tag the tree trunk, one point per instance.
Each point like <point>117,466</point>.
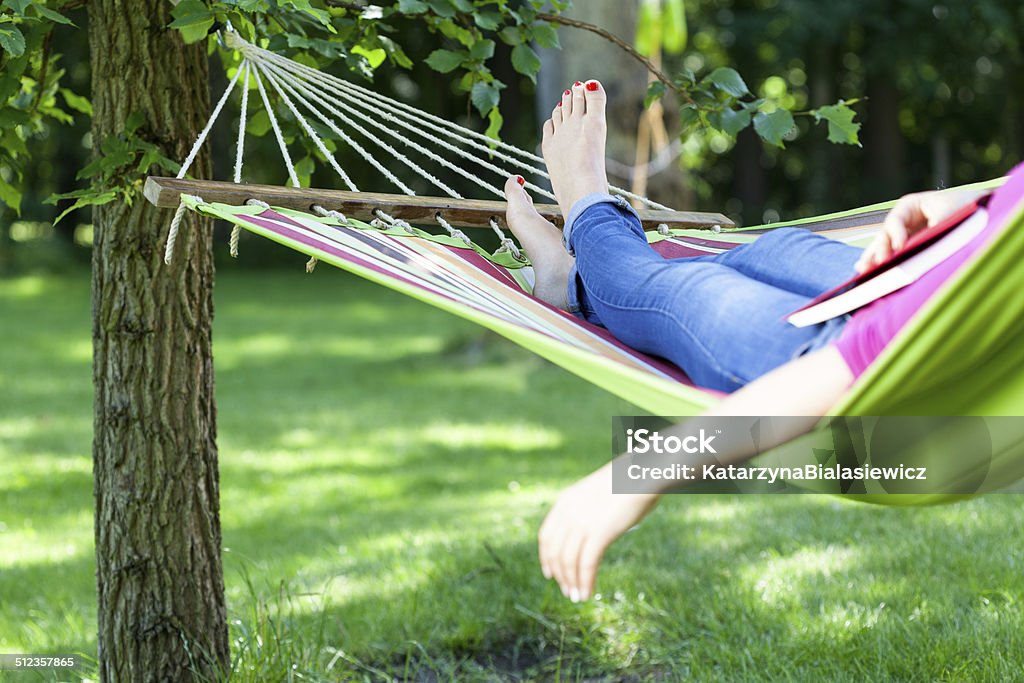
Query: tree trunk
<point>884,144</point>
<point>158,538</point>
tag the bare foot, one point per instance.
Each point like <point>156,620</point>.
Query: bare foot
<point>574,144</point>
<point>543,244</point>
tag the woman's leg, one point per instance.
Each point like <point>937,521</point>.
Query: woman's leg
<point>720,326</point>
<point>794,259</point>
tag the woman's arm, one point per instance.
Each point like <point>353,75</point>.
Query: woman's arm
<point>587,517</point>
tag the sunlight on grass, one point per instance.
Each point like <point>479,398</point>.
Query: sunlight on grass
<point>384,469</point>
<point>508,436</point>
<point>777,579</point>
<point>26,287</point>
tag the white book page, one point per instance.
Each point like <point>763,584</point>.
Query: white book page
<point>896,277</point>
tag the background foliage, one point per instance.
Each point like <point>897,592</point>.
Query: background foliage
<point>936,86</point>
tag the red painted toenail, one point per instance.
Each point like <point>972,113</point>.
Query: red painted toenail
<point>567,92</point>
<point>592,86</point>
<point>521,180</point>
<point>559,104</point>
<point>577,83</point>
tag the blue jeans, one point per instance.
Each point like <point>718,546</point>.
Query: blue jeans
<point>721,318</point>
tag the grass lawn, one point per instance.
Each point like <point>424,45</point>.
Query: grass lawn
<point>384,471</point>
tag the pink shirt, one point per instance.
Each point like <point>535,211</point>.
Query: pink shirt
<point>874,326</point>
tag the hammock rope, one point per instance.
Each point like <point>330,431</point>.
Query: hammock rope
<point>417,128</point>
<point>933,360</point>
<point>277,134</point>
<point>416,121</point>
<point>328,156</point>
<point>172,234</point>
<point>342,106</point>
<point>336,108</point>
<point>506,244</point>
<point>236,231</point>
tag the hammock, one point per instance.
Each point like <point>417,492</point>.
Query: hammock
<point>960,355</point>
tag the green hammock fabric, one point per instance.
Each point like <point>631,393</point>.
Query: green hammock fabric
<point>961,355</point>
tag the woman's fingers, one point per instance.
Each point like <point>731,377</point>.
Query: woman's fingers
<point>544,546</point>
<point>877,251</point>
<point>568,553</point>
<point>554,535</point>
<point>903,220</point>
<point>587,562</point>
<point>906,218</point>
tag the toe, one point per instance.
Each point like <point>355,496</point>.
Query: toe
<point>595,96</point>
<point>567,102</point>
<point>549,129</point>
<point>515,191</point>
<point>579,104</point>
<point>556,116</point>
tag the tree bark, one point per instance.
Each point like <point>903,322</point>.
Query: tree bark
<point>158,540</point>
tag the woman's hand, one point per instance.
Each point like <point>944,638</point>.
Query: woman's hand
<point>585,519</point>
<point>912,213</point>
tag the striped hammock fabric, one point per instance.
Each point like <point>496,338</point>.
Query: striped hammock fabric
<point>938,365</point>
<point>493,290</point>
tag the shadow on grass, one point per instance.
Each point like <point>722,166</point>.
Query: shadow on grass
<point>778,588</point>
<point>384,470</point>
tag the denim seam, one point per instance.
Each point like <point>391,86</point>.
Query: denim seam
<point>703,349</point>
<point>588,202</point>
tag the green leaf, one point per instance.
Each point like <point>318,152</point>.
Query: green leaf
<point>732,121</point>
<point>482,50</point>
<point>546,36</point>
<point>47,13</point>
<point>688,117</point>
<point>496,121</point>
<point>727,80</point>
<point>133,122</point>
<point>485,96</point>
<point>258,124</point>
<point>374,57</point>
<point>654,91</point>
<point>11,41</point>
<point>412,6</point>
<point>77,102</point>
<point>442,8</point>
<point>445,61</point>
<point>510,35</point>
<point>458,32</point>
<point>10,196</point>
<point>91,199</point>
<point>18,6</point>
<point>842,128</point>
<point>773,127</point>
<point>526,61</point>
<point>304,169</point>
<point>396,52</point>
<point>488,21</point>
<point>193,19</point>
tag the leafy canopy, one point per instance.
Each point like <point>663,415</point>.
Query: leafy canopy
<point>327,33</point>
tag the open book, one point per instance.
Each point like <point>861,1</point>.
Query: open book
<point>922,252</point>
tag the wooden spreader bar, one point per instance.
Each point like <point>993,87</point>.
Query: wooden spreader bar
<point>463,213</point>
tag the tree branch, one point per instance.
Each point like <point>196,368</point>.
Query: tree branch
<point>354,6</point>
<point>44,65</point>
<point>629,49</point>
